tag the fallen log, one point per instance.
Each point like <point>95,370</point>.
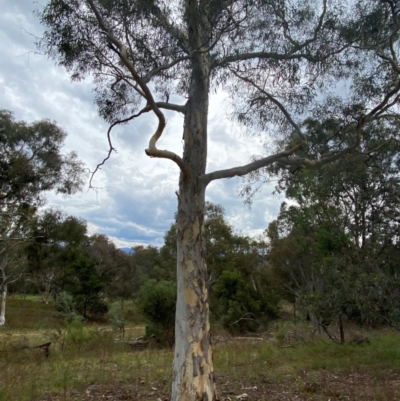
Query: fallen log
<point>136,343</point>
<point>45,347</point>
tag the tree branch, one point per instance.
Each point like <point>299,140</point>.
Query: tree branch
<point>175,32</point>
<point>111,147</point>
<point>152,150</point>
<point>151,74</point>
<point>291,55</point>
<point>262,55</point>
<point>384,105</point>
<point>243,170</point>
<point>285,158</point>
<point>276,102</point>
<point>171,106</point>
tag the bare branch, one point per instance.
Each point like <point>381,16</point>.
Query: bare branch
<point>248,168</point>
<point>170,106</point>
<point>111,147</point>
<point>161,105</point>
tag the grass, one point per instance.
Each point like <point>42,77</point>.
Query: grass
<point>79,356</point>
<point>383,352</point>
<point>24,313</point>
<point>85,358</point>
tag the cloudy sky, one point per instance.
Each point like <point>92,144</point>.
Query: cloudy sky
<point>135,200</point>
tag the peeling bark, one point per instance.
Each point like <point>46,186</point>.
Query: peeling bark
<point>193,366</point>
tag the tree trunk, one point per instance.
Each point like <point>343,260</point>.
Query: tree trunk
<point>193,366</point>
<point>315,322</point>
<point>341,329</point>
<point>3,305</point>
<point>45,295</point>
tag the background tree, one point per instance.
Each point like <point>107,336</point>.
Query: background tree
<point>86,284</point>
<point>31,163</point>
<point>277,60</point>
<point>115,263</point>
<point>239,305</point>
<point>336,242</point>
<point>145,261</point>
<point>59,241</point>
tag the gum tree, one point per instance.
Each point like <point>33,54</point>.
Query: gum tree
<point>31,163</point>
<point>277,59</point>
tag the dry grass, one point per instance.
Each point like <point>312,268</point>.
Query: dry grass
<point>24,313</point>
<point>86,364</point>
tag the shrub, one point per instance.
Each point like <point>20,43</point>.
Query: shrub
<point>157,302</point>
<point>240,307</point>
<point>64,304</point>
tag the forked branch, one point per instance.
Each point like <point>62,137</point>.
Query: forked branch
<point>286,158</point>
<point>152,150</point>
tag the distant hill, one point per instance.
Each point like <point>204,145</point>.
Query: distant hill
<point>129,251</point>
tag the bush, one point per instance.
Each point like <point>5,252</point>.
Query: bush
<point>157,302</point>
<point>240,307</point>
<point>64,304</point>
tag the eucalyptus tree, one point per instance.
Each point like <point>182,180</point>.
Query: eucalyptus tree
<point>57,241</point>
<point>31,163</point>
<point>342,230</point>
<point>14,231</point>
<point>277,59</point>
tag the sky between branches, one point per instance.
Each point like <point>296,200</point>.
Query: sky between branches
<point>135,201</point>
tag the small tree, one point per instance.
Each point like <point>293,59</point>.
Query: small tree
<point>86,284</point>
<point>157,302</point>
<point>277,60</point>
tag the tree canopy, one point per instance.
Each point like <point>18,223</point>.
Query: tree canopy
<point>31,161</point>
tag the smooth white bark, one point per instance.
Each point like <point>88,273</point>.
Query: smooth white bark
<point>3,305</point>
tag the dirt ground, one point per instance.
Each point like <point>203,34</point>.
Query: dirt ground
<point>359,385</point>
